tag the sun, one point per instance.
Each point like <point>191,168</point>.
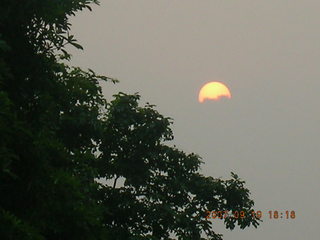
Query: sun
<point>213,91</point>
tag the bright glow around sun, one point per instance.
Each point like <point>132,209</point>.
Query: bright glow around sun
<point>213,91</point>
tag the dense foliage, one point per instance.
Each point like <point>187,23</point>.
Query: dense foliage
<point>62,144</point>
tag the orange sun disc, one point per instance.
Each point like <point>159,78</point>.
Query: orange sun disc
<point>213,91</point>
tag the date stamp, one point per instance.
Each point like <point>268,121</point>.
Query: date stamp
<point>272,214</point>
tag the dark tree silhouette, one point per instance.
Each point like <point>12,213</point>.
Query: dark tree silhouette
<point>59,136</point>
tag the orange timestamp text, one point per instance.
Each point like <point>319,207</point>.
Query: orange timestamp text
<point>272,214</point>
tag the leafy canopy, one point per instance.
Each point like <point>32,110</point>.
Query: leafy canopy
<point>60,139</point>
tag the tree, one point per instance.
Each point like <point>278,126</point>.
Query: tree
<point>48,122</point>
<point>59,135</point>
<point>163,192</point>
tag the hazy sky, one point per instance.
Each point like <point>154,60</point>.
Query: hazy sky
<point>267,52</point>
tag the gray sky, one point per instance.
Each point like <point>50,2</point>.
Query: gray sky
<point>267,52</point>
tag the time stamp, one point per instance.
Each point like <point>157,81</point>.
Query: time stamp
<point>275,214</point>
